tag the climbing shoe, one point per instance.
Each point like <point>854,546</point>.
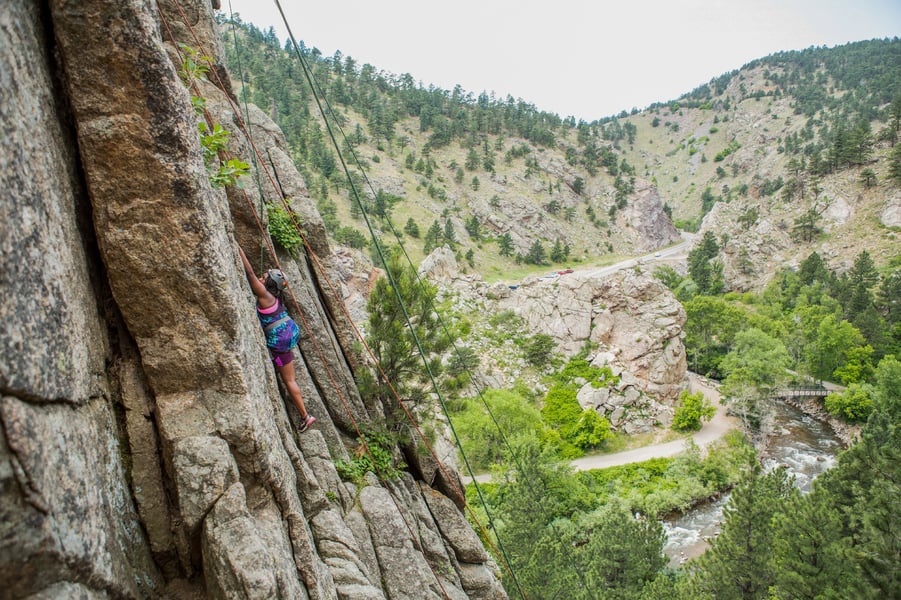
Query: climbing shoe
<point>307,422</point>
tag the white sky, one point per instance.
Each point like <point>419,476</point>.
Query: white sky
<point>586,58</point>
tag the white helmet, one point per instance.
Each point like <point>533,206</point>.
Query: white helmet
<point>278,277</point>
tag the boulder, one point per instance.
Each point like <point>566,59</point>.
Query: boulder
<point>891,214</point>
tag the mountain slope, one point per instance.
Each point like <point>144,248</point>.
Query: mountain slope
<point>785,136</point>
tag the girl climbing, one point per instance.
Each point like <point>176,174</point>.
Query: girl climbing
<point>281,331</point>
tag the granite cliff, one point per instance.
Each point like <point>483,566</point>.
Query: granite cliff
<point>145,449</point>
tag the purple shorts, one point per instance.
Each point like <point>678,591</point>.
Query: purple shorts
<point>281,358</point>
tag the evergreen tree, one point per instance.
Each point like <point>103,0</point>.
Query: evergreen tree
<point>537,254</point>
<point>864,487</point>
<point>737,565</point>
<point>868,178</point>
<point>807,225</point>
<point>894,164</point>
<point>808,549</point>
<point>707,274</point>
<point>863,272</point>
<point>411,228</point>
<point>889,297</point>
<point>813,269</point>
<point>558,544</point>
<point>472,160</point>
<point>432,237</point>
<point>450,235</point>
<point>470,257</point>
<point>473,228</point>
<point>895,120</point>
<point>557,254</point>
<point>505,244</point>
<point>394,345</point>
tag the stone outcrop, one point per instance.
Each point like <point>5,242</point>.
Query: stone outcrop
<point>636,325</point>
<point>145,449</point>
<point>891,213</point>
<point>644,215</point>
<point>634,322</point>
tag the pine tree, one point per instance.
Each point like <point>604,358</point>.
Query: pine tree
<point>894,165</point>
<point>537,253</point>
<point>706,273</point>
<point>432,237</point>
<point>557,254</point>
<point>737,565</point>
<point>411,228</point>
<point>450,235</point>
<point>808,550</point>
<point>505,244</point>
<point>394,346</point>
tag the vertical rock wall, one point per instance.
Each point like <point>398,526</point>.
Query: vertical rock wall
<point>145,450</point>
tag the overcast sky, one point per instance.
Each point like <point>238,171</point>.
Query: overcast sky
<point>586,58</point>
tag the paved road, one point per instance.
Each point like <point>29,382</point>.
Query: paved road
<point>676,253</point>
<point>679,251</point>
<point>709,433</point>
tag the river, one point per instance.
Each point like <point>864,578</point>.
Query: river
<point>805,446</point>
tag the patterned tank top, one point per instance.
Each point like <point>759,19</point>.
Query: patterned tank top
<point>281,331</point>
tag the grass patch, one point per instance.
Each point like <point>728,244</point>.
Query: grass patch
<point>664,485</point>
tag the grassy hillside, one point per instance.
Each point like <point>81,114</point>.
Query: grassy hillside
<point>751,154</point>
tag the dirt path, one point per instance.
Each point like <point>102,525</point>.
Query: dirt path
<point>709,433</point>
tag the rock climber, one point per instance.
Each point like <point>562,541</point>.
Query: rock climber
<point>282,333</point>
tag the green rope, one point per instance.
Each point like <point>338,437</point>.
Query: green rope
<point>391,279</point>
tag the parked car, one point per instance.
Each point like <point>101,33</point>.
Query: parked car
<point>564,272</point>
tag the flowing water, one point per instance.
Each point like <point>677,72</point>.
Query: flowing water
<point>804,446</point>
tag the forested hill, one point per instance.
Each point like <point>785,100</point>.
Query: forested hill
<point>798,145</point>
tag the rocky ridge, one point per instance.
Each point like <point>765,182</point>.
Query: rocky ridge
<point>145,448</point>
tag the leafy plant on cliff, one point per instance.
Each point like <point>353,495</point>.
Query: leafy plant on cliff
<point>282,226</point>
<point>213,138</point>
<point>372,455</point>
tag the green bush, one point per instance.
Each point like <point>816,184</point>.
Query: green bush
<point>351,237</point>
<point>854,404</point>
<point>580,368</point>
<point>483,436</point>
<point>377,460</point>
<point>538,349</point>
<point>692,409</point>
<point>582,428</point>
<point>282,229</point>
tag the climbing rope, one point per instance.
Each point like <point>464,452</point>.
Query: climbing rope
<point>318,263</point>
<point>402,305</point>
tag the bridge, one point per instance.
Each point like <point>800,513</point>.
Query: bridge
<point>802,391</point>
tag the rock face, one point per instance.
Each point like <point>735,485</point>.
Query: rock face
<point>637,325</point>
<point>634,322</point>
<point>891,214</point>
<point>145,449</point>
<point>645,216</point>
